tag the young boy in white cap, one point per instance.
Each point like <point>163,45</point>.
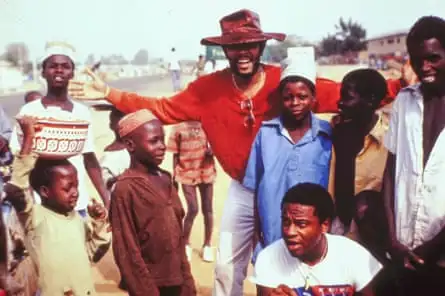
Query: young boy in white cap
<point>290,149</point>
<point>58,69</point>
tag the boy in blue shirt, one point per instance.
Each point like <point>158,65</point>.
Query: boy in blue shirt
<point>290,149</point>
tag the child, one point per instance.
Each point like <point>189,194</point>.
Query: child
<point>58,69</point>
<point>60,242</point>
<point>116,158</point>
<point>288,150</point>
<point>194,168</point>
<point>32,96</point>
<point>146,215</point>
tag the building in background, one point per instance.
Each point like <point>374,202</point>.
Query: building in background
<point>390,44</point>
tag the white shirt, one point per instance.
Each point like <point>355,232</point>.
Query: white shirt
<point>114,163</point>
<point>347,268</point>
<point>419,192</point>
<point>79,112</point>
<point>174,62</point>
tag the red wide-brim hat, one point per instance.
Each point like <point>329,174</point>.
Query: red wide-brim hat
<point>241,27</point>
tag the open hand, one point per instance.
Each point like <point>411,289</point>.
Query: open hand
<point>402,255</point>
<point>96,210</point>
<point>28,124</point>
<point>96,89</point>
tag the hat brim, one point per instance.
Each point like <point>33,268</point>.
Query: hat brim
<point>242,39</point>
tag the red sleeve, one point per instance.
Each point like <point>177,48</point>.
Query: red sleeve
<point>184,106</point>
<point>328,94</point>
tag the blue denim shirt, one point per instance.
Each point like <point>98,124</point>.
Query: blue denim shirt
<point>276,164</point>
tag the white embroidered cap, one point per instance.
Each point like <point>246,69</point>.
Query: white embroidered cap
<point>59,48</point>
<point>300,61</point>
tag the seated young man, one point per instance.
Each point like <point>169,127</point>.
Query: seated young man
<point>308,260</point>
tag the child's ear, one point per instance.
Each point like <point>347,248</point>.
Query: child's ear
<point>44,192</point>
<point>129,144</point>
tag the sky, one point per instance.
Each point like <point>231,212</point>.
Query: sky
<point>104,27</point>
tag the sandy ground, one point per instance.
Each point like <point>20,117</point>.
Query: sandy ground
<point>105,272</point>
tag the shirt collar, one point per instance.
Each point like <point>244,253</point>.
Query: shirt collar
<point>317,126</point>
<point>379,130</point>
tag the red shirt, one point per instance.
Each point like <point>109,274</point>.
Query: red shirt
<point>215,102</point>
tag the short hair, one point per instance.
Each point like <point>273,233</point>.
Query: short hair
<point>294,79</point>
<point>368,83</point>
<point>311,195</point>
<point>425,28</point>
<point>43,172</point>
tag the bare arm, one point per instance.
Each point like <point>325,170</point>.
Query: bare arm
<point>94,171</point>
<point>388,194</point>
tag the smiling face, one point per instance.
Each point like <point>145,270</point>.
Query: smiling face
<point>297,99</point>
<point>58,70</point>
<point>302,230</point>
<point>147,143</point>
<point>244,59</point>
<point>428,62</point>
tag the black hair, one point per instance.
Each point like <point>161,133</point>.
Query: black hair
<point>43,172</point>
<point>311,195</point>
<point>293,79</point>
<point>425,28</point>
<point>116,113</point>
<point>368,83</point>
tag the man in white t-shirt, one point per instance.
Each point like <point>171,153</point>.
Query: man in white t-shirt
<point>175,70</point>
<point>58,69</point>
<point>309,261</point>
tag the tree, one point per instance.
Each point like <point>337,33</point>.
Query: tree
<point>17,53</point>
<point>140,58</point>
<point>350,36</point>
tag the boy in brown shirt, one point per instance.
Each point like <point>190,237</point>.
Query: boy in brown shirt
<point>146,215</point>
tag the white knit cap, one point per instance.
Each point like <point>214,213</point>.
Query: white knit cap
<point>300,62</point>
<point>59,48</point>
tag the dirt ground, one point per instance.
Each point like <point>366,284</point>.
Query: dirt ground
<point>105,272</point>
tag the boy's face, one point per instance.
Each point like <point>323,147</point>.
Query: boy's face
<point>301,228</point>
<point>147,143</point>
<point>428,62</point>
<point>58,71</point>
<point>62,194</point>
<point>297,100</point>
<point>351,105</point>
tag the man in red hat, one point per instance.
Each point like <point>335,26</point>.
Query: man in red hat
<point>231,104</point>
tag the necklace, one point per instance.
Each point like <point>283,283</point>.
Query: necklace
<point>307,274</point>
<point>249,93</point>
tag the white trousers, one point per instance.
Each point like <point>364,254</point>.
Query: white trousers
<point>235,241</point>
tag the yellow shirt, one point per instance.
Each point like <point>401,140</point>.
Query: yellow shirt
<point>370,162</point>
<point>62,246</point>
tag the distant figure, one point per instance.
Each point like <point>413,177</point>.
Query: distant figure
<point>32,96</point>
<point>200,66</point>
<point>175,70</point>
<point>210,66</point>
